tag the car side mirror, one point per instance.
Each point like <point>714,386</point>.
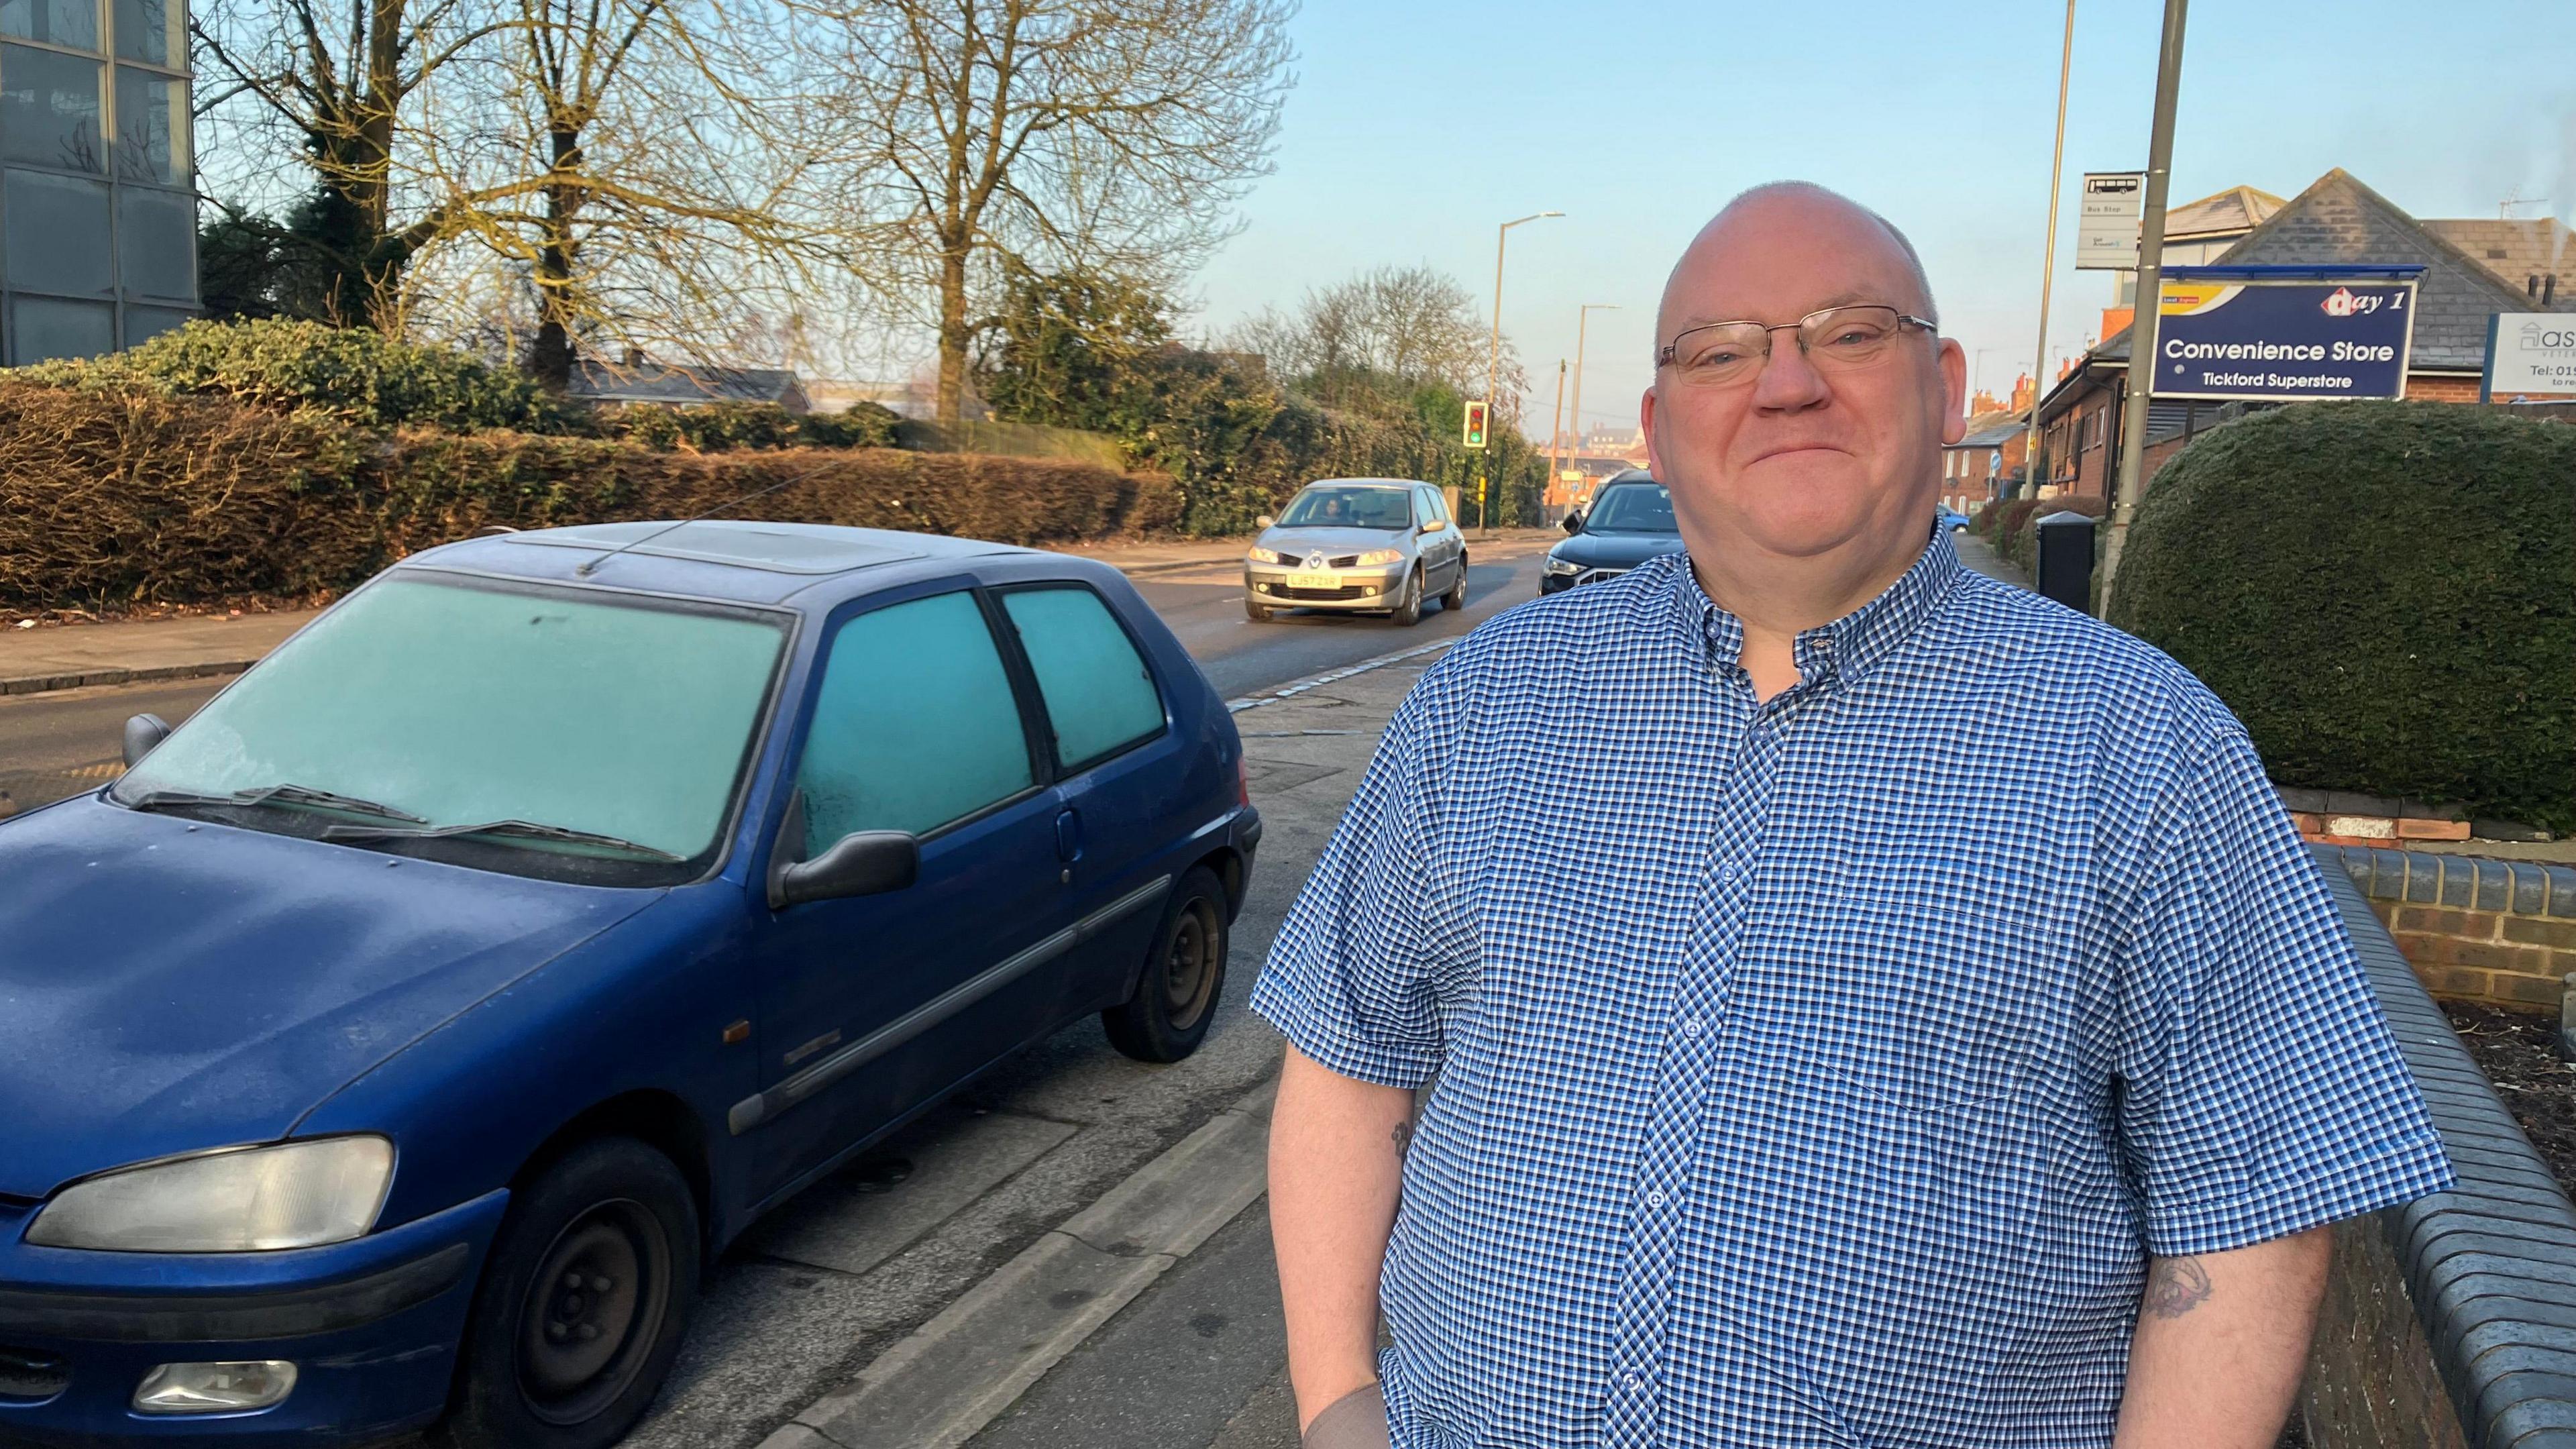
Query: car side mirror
<point>863,863</point>
<point>1265,521</point>
<point>1433,525</point>
<point>143,734</point>
<point>1574,523</point>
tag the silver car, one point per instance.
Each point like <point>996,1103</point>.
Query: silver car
<point>1359,546</point>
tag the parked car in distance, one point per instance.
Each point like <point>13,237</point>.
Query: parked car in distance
<point>398,1038</point>
<point>1952,518</point>
<point>1630,521</point>
<point>1358,546</point>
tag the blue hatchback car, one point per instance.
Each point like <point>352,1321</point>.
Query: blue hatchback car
<point>401,1036</point>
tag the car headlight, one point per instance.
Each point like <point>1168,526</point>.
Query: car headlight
<point>258,1199</point>
<point>1557,565</point>
<point>1377,556</point>
<point>1266,555</point>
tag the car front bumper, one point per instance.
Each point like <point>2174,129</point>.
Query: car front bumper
<point>1357,591</point>
<point>1552,582</point>
<point>370,1325</point>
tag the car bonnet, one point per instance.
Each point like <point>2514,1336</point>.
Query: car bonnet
<point>169,985</point>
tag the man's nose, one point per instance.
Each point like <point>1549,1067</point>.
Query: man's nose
<point>1788,382</point>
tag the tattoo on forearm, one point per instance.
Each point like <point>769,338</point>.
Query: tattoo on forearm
<point>1403,1136</point>
<point>2175,1286</point>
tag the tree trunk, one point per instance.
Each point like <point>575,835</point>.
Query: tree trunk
<point>550,355</point>
<point>952,332</point>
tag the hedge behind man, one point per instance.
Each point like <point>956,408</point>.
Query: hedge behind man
<point>1869,1003</point>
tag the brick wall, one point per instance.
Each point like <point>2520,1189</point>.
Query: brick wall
<point>2493,931</point>
<point>2371,1378</point>
<point>2425,387</point>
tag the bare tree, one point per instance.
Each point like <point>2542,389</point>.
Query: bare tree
<point>622,171</point>
<point>329,82</point>
<point>1400,326</point>
<point>1113,135</point>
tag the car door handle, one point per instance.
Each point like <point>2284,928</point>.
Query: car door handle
<point>1068,836</point>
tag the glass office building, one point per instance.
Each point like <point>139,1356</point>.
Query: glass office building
<point>98,222</point>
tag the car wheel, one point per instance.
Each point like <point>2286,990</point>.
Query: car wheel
<point>1176,996</point>
<point>1256,612</point>
<point>1408,612</point>
<point>582,1305</point>
<point>1456,598</point>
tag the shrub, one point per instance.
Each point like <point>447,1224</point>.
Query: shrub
<point>351,373</point>
<point>2384,592</point>
<point>2021,543</point>
<point>728,426</point>
<point>117,497</point>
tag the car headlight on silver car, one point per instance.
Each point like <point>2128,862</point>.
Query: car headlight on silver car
<point>1376,556</point>
<point>1258,554</point>
<point>1557,565</point>
<point>244,1200</point>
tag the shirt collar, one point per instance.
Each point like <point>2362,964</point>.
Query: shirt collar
<point>1849,647</point>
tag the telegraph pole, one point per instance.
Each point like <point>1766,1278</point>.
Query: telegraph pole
<point>2138,383</point>
<point>1583,321</point>
<point>1556,432</point>
<point>2048,260</point>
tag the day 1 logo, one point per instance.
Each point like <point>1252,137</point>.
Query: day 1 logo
<point>2340,302</point>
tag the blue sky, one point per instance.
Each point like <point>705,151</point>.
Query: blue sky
<point>1418,125</point>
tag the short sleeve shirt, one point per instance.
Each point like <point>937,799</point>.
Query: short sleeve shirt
<point>1824,1070</point>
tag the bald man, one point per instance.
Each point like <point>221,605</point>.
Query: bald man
<point>1905,1016</point>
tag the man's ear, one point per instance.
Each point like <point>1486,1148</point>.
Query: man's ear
<point>1954,391</point>
<point>1646,425</point>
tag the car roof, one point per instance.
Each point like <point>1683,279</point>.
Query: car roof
<point>1365,483</point>
<point>1628,475</point>
<point>739,560</point>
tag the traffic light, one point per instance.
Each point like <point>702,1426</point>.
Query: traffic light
<point>1475,436</point>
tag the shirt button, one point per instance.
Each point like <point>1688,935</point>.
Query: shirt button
<point>1654,1199</point>
<point>1726,873</point>
<point>1635,1383</point>
<point>1691,1027</point>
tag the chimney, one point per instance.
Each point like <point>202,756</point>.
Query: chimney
<point>634,356</point>
<point>2549,290</point>
<point>2531,286</point>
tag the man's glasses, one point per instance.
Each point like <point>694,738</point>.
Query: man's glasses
<point>1837,339</point>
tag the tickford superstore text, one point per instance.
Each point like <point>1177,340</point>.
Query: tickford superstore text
<point>2269,379</point>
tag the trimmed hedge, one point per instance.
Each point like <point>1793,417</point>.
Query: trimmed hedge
<point>113,497</point>
<point>2385,593</point>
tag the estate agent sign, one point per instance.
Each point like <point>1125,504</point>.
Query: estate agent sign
<point>2531,357</point>
<point>2284,334</point>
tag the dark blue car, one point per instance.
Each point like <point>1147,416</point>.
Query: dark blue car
<point>401,1036</point>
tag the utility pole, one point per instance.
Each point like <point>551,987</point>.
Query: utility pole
<point>1556,431</point>
<point>1582,321</point>
<point>2138,383</point>
<point>2048,260</point>
<point>1493,365</point>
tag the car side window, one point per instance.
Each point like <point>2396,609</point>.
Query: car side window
<point>1099,694</point>
<point>1437,506</point>
<point>915,725</point>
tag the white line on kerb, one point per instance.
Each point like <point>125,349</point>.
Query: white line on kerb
<point>1256,701</point>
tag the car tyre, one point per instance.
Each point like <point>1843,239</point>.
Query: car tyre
<point>1408,611</point>
<point>1256,612</point>
<point>1176,994</point>
<point>554,1363</point>
<point>1456,598</point>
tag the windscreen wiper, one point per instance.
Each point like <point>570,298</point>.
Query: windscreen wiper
<point>500,830</point>
<point>295,795</point>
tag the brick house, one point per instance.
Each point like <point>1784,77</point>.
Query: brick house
<point>1972,466</point>
<point>2335,222</point>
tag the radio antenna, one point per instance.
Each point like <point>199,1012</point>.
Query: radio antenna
<point>592,566</point>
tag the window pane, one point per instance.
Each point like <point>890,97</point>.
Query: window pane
<point>56,22</point>
<point>48,327</point>
<point>466,705</point>
<point>155,234</point>
<point>49,109</point>
<point>151,126</point>
<point>915,725</point>
<point>1099,694</point>
<point>142,324</point>
<point>152,30</point>
<point>57,233</point>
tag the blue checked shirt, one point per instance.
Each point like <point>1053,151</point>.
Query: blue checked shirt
<point>1822,1071</point>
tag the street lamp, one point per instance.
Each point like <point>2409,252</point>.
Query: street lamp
<point>2048,262</point>
<point>1582,319</point>
<point>1493,365</point>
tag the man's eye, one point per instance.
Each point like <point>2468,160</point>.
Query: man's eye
<point>1719,357</point>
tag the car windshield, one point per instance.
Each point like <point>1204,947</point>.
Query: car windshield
<point>1325,506</point>
<point>608,733</point>
<point>1633,508</point>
